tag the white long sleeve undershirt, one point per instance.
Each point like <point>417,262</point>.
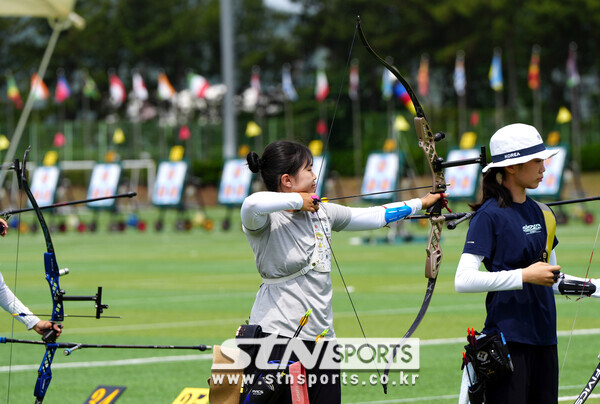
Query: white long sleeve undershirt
<point>12,304</point>
<point>256,208</point>
<point>469,279</point>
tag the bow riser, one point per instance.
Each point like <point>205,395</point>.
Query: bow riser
<point>52,276</point>
<point>434,248</point>
<point>427,142</point>
<point>44,375</point>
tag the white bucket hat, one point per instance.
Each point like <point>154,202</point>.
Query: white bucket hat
<point>516,144</point>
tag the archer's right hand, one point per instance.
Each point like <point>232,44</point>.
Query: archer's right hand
<point>310,202</point>
<point>3,227</point>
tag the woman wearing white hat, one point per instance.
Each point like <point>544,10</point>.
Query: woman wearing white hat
<point>514,238</point>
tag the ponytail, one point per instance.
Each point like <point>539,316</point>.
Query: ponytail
<point>280,157</point>
<point>492,188</point>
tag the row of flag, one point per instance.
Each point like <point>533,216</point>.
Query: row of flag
<point>533,73</point>
<point>197,84</point>
<point>390,86</point>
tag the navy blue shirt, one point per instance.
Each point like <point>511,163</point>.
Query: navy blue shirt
<point>511,238</point>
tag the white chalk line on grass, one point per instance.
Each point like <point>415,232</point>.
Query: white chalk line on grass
<point>408,310</point>
<point>446,397</point>
<point>237,321</point>
<point>119,362</point>
<point>190,297</point>
<point>408,400</point>
<point>183,358</point>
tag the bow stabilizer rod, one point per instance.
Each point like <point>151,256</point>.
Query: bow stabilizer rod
<point>8,213</point>
<point>69,347</point>
<point>462,216</point>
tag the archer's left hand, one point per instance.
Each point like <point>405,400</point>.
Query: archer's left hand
<point>430,199</point>
<point>42,327</point>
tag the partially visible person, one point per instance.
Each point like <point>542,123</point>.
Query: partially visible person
<point>12,304</point>
<point>513,236</point>
<point>289,231</point>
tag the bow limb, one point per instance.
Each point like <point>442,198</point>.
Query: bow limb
<point>434,251</point>
<point>52,276</point>
<point>51,266</point>
<point>590,385</point>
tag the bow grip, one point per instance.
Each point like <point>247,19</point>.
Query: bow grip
<point>50,335</point>
<point>434,249</point>
<point>436,208</point>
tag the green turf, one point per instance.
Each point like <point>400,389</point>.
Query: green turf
<point>197,287</point>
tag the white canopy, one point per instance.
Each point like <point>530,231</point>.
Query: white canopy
<point>36,8</point>
<point>60,16</point>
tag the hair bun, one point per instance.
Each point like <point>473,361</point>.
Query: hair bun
<point>254,162</point>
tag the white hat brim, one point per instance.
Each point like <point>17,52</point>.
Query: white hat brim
<point>543,155</point>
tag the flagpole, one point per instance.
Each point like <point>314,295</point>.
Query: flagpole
<point>533,78</point>
<point>86,125</point>
<point>356,130</point>
<point>575,132</point>
<point>9,117</point>
<point>226,27</point>
<point>289,95</point>
<point>537,109</point>
<point>462,115</point>
<point>498,93</point>
<point>289,120</point>
<point>460,89</point>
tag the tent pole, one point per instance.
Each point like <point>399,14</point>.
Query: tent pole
<point>16,137</point>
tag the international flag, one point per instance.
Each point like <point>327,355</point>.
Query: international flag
<point>139,87</point>
<point>62,91</point>
<point>59,140</point>
<point>533,74</point>
<point>184,133</point>
<point>255,80</point>
<point>286,84</point>
<point>460,78</point>
<point>573,78</point>
<point>495,74</point>
<point>387,86</point>
<point>353,81</point>
<point>12,92</point>
<point>322,86</point>
<point>4,142</point>
<point>117,90</point>
<point>38,88</point>
<point>401,94</point>
<point>90,90</point>
<point>198,85</point>
<point>423,76</point>
<point>165,89</point>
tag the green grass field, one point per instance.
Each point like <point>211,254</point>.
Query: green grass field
<point>197,287</point>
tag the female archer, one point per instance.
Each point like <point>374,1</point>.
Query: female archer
<point>289,232</point>
<point>513,236</point>
<point>10,303</point>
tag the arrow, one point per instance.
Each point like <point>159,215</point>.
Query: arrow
<point>302,322</point>
<point>462,216</point>
<point>326,199</point>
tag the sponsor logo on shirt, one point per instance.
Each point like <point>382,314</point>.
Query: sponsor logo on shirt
<point>532,228</point>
